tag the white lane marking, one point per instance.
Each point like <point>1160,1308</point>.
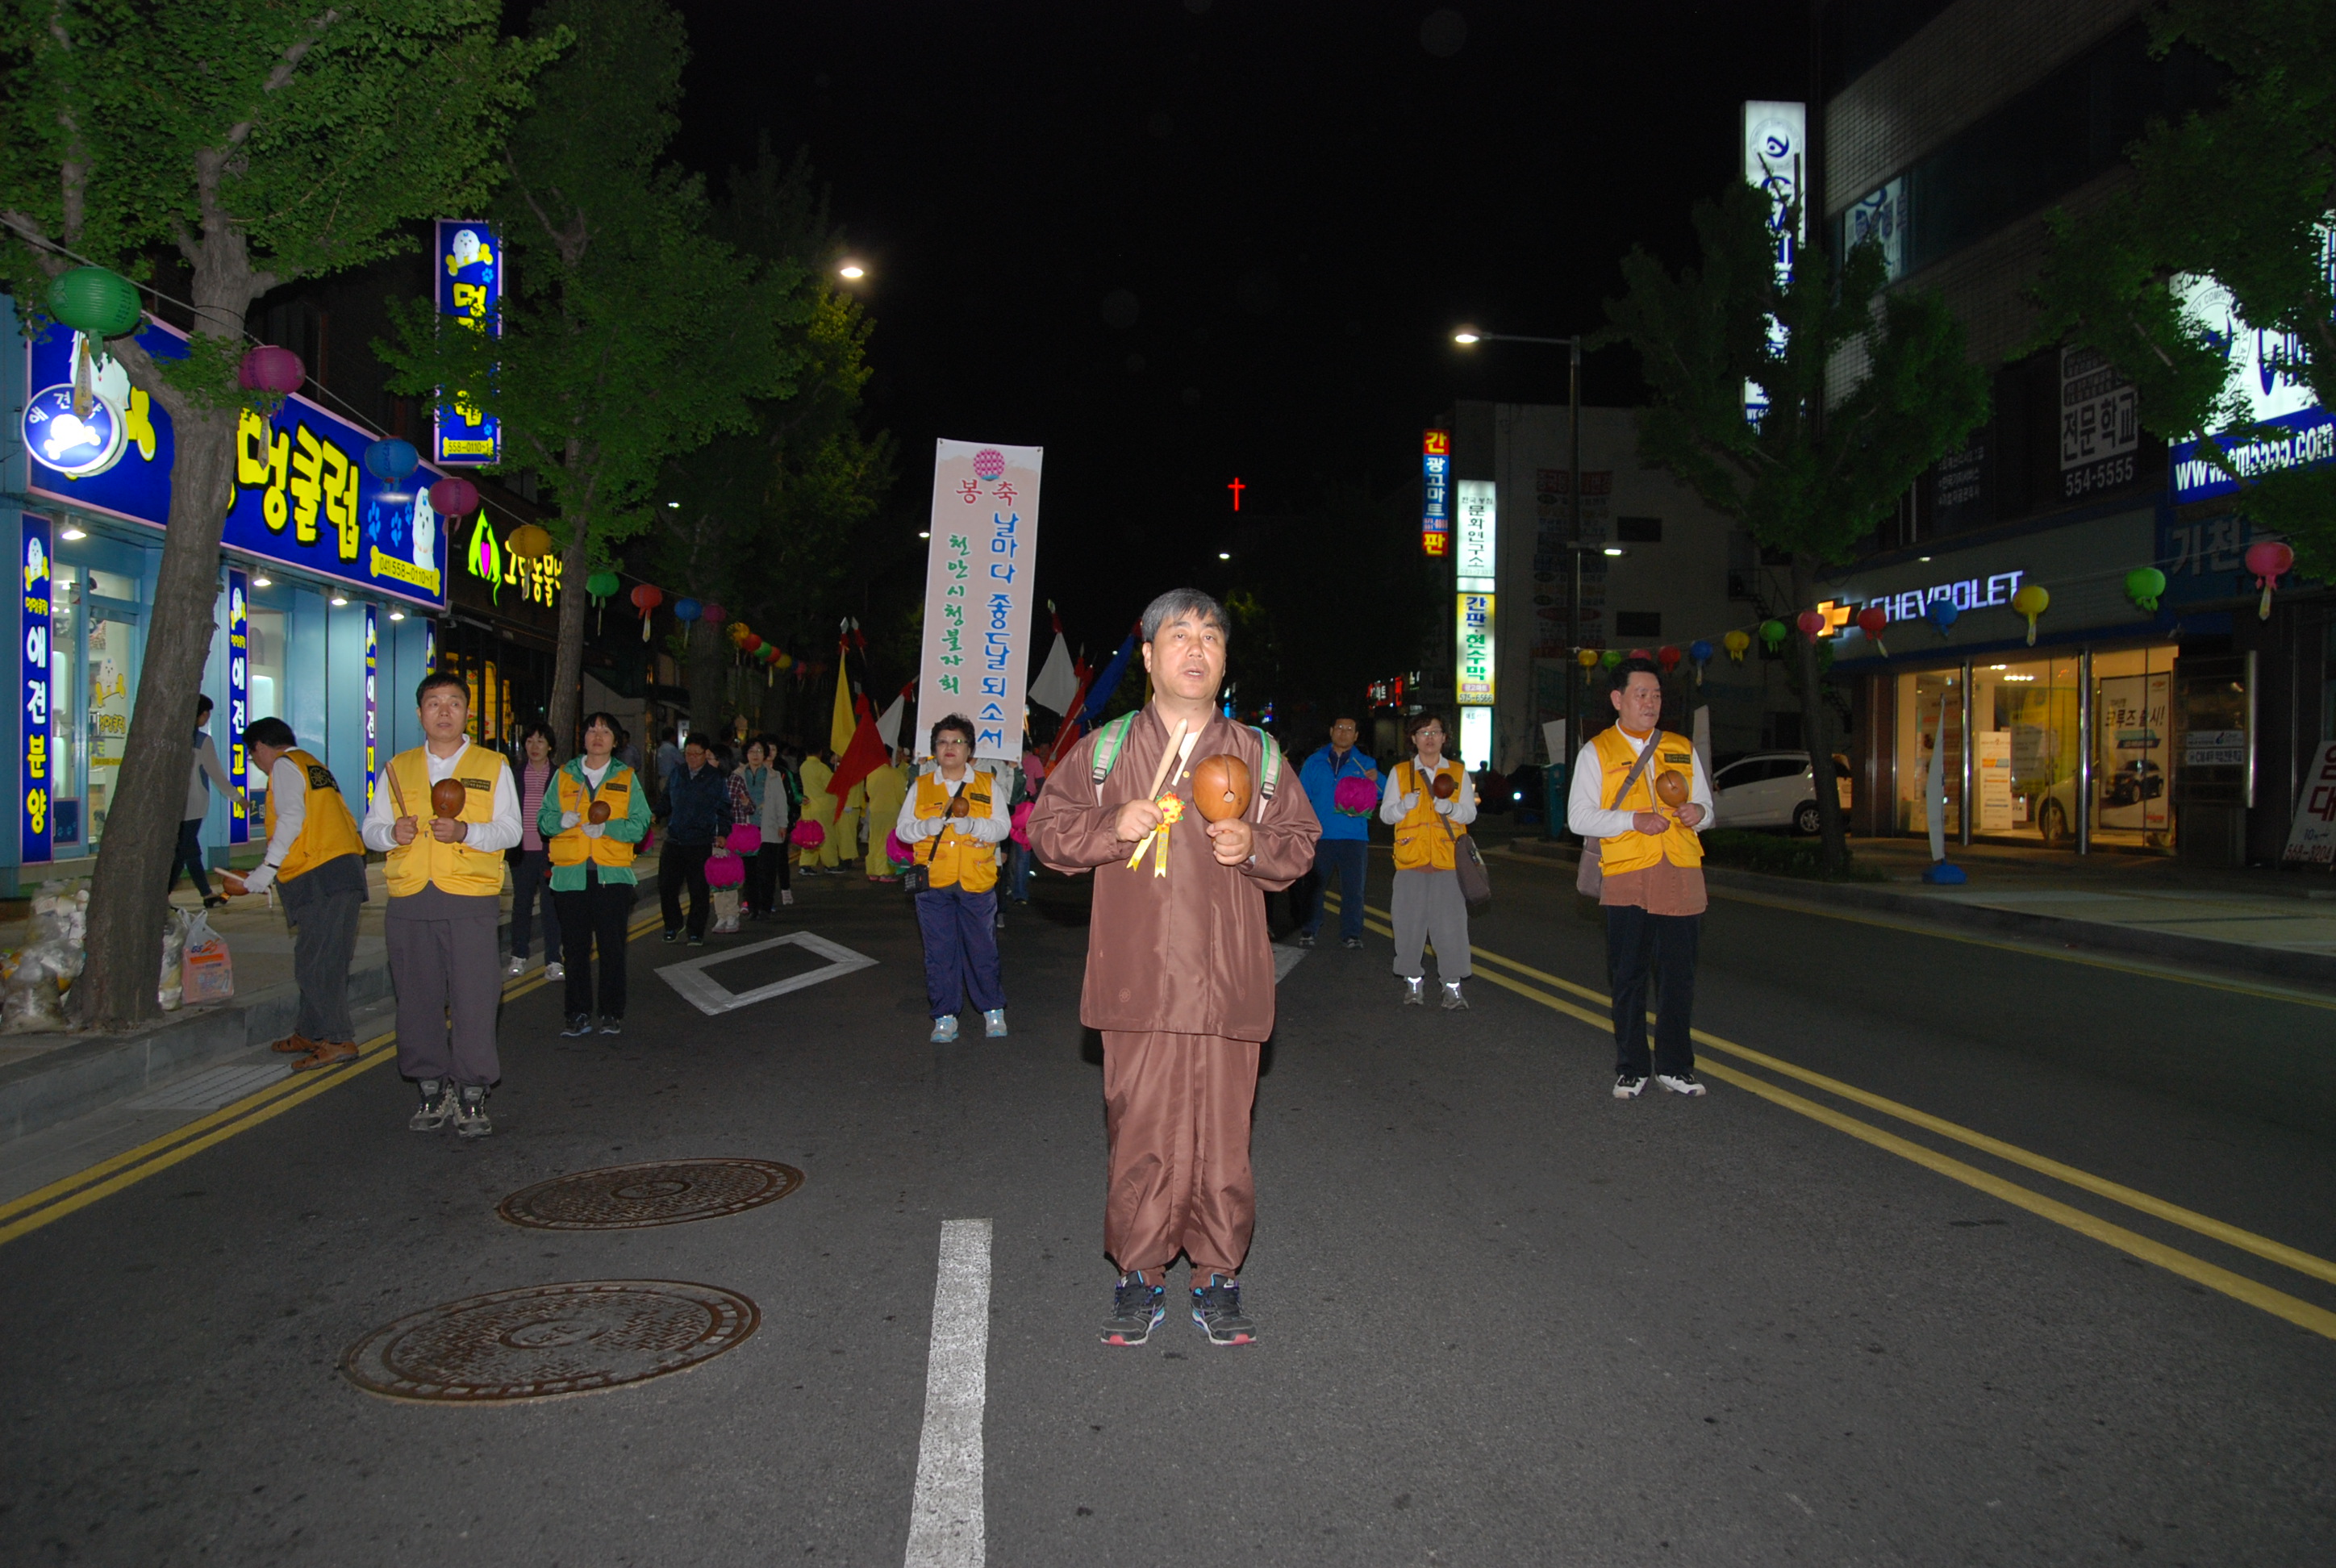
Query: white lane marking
<point>1284,961</point>
<point>712,998</point>
<point>944,1522</point>
<point>207,1091</point>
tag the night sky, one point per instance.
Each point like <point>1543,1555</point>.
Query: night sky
<point>1174,241</point>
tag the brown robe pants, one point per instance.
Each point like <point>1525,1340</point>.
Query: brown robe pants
<point>1176,1108</point>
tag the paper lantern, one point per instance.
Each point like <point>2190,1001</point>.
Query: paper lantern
<point>1736,643</point>
<point>1873,621</point>
<point>1586,658</point>
<point>646,598</point>
<point>602,585</point>
<point>2031,602</point>
<point>745,839</point>
<point>724,871</point>
<point>738,634</point>
<point>453,496</point>
<point>1668,657</point>
<point>1772,635</point>
<point>752,644</point>
<point>776,659</point>
<point>270,369</point>
<point>529,542</point>
<point>1941,614</point>
<point>900,854</point>
<point>2142,586</point>
<point>1812,623</point>
<point>713,614</point>
<point>1353,797</point>
<point>95,301</point>
<point>391,460</point>
<point>1698,653</point>
<point>687,609</point>
<point>1612,658</point>
<point>807,834</point>
<point>2269,559</point>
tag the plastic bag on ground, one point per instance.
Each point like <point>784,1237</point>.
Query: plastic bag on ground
<point>174,953</point>
<point>207,973</point>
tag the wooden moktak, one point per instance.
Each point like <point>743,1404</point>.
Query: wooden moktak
<point>1222,786</point>
<point>1445,786</point>
<point>958,806</point>
<point>598,813</point>
<point>447,797</point>
<point>1671,788</point>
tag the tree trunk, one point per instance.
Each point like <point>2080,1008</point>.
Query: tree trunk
<point>129,892</point>
<point>1816,727</point>
<point>568,661</point>
<point>705,650</point>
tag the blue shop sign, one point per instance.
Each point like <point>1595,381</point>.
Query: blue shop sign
<point>34,779</point>
<point>471,290</point>
<point>302,496</point>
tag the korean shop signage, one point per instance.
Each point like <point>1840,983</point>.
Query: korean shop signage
<point>471,279</point>
<point>302,496</point>
<point>1474,669</point>
<point>33,762</point>
<point>1436,491</point>
<point>239,700</point>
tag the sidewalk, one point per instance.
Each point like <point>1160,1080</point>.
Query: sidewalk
<point>48,1078</point>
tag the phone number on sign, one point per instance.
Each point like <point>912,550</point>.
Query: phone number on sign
<point>2095,476</point>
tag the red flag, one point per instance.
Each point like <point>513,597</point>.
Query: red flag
<point>863,756</point>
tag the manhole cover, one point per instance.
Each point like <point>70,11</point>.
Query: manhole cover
<point>658,1193</point>
<point>550,1340</point>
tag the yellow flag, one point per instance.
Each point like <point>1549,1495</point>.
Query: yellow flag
<point>839,732</point>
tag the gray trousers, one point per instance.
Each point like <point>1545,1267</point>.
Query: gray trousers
<point>1427,906</point>
<point>321,907</point>
<point>443,961</point>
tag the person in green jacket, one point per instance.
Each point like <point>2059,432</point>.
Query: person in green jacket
<point>594,815</point>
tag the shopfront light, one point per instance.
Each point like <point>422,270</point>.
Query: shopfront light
<point>397,615</point>
<point>339,599</point>
<point>924,534</point>
<point>263,581</point>
<point>1613,550</point>
<point>72,533</point>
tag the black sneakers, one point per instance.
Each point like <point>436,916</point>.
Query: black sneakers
<point>1216,1306</point>
<point>1137,1307</point>
<point>581,1024</point>
<point>612,1026</point>
<point>437,1105</point>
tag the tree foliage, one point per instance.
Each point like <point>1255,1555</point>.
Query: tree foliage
<point>2242,191</point>
<point>1828,462</point>
<point>256,144</point>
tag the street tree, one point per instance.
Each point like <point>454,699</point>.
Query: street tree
<point>252,146</point>
<point>2243,192</point>
<point>1864,390</point>
<point>631,332</point>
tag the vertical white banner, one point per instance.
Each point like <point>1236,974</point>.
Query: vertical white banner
<point>978,593</point>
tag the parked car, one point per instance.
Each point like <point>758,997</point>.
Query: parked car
<point>1773,789</point>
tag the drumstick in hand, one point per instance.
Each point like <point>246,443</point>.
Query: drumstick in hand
<point>1175,739</point>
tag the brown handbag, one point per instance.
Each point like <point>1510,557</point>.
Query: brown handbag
<point>1590,877</point>
<point>1468,867</point>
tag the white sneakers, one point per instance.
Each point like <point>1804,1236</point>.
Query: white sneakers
<point>518,967</point>
<point>945,1030</point>
<point>555,971</point>
<point>994,1023</point>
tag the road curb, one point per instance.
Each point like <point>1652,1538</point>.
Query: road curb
<point>96,1071</point>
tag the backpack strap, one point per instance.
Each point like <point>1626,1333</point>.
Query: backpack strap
<point>1107,752</point>
<point>1269,773</point>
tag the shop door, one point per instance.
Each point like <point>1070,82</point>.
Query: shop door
<point>110,652</point>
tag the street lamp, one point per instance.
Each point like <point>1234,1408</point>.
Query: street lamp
<point>851,271</point>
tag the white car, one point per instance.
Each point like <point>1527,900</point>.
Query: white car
<point>1773,789</point>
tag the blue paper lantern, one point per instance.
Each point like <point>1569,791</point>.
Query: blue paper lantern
<point>1942,613</point>
<point>391,459</point>
<point>686,610</point>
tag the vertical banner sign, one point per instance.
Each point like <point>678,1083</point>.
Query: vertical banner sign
<point>238,702</point>
<point>1477,553</point>
<point>977,582</point>
<point>373,703</point>
<point>1774,137</point>
<point>34,774</point>
<point>1474,682</point>
<point>1434,492</point>
<point>1475,556</point>
<point>470,282</point>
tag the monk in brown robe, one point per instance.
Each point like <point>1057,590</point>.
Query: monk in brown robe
<point>1179,971</point>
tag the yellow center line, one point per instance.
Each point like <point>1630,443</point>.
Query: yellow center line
<point>2140,1246</point>
<point>132,1166</point>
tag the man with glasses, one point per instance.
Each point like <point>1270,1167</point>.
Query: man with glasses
<point>1344,845</point>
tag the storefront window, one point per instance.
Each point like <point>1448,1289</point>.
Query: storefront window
<point>2026,749</point>
<point>64,716</point>
<point>2132,747</point>
<point>265,665</point>
<point>1922,701</point>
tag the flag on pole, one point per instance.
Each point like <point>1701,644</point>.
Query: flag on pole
<point>1099,695</point>
<point>1057,683</point>
<point>889,727</point>
<point>840,726</point>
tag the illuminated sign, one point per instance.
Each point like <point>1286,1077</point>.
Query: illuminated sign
<point>1989,592</point>
<point>34,763</point>
<point>301,496</point>
<point>1237,487</point>
<point>470,281</point>
<point>1435,490</point>
<point>536,579</point>
<point>239,700</point>
<point>1775,137</point>
<point>2267,370</point>
<point>1476,547</point>
<point>372,702</point>
<point>1474,666</point>
<point>76,445</point>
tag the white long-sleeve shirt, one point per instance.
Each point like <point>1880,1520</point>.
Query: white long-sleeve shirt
<point>287,788</point>
<point>1594,818</point>
<point>499,832</point>
<point>1460,810</point>
<point>990,830</point>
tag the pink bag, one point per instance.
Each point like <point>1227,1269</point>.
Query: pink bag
<point>745,839</point>
<point>1021,829</point>
<point>724,871</point>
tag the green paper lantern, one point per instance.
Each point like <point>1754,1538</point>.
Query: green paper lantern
<point>1772,633</point>
<point>602,585</point>
<point>94,300</point>
<point>1612,658</point>
<point>2144,586</point>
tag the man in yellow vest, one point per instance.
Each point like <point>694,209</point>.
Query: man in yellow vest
<point>314,860</point>
<point>445,886</point>
<point>1652,865</point>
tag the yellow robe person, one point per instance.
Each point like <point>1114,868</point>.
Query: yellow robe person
<point>843,844</point>
<point>887,787</point>
<point>819,806</point>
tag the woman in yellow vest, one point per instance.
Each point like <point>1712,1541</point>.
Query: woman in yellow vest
<point>1427,902</point>
<point>445,879</point>
<point>314,859</point>
<point>956,850</point>
<point>592,877</point>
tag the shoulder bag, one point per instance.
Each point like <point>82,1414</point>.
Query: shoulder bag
<point>1590,878</point>
<point>1467,861</point>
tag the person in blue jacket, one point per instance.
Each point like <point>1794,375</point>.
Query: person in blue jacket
<point>1345,844</point>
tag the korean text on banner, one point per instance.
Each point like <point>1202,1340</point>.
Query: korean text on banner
<point>470,281</point>
<point>2311,838</point>
<point>238,699</point>
<point>978,593</point>
<point>35,778</point>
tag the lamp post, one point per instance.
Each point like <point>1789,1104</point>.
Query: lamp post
<point>1468,338</point>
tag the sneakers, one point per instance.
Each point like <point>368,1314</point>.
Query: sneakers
<point>1413,995</point>
<point>1216,1306</point>
<point>1680,1083</point>
<point>1629,1085</point>
<point>437,1105</point>
<point>612,1026</point>
<point>518,966</point>
<point>670,936</point>
<point>993,1024</point>
<point>1306,939</point>
<point>555,971</point>
<point>786,898</point>
<point>1353,944</point>
<point>697,941</point>
<point>1453,1002</point>
<point>471,1112</point>
<point>581,1024</point>
<point>215,900</point>
<point>945,1030</point>
<point>1137,1307</point>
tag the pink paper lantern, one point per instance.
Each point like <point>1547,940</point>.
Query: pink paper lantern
<point>1353,797</point>
<point>453,496</point>
<point>268,368</point>
<point>899,853</point>
<point>724,871</point>
<point>1021,829</point>
<point>745,839</point>
<point>807,834</point>
<point>713,614</point>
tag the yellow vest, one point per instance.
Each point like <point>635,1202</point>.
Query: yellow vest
<point>327,831</point>
<point>1635,851</point>
<point>574,846</point>
<point>956,857</point>
<point>1421,844</point>
<point>455,868</point>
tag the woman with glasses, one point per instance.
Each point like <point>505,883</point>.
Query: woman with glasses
<point>1429,801</point>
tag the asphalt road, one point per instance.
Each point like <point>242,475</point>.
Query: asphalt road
<point>1504,1318</point>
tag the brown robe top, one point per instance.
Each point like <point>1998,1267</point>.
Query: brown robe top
<point>1187,953</point>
